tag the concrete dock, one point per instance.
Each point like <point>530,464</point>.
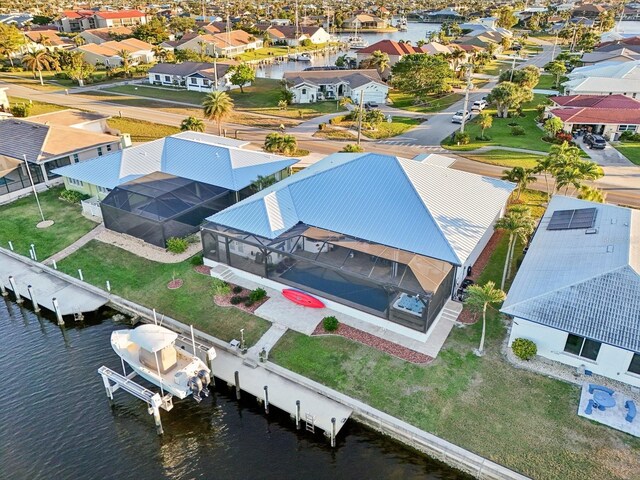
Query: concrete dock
<point>71,298</point>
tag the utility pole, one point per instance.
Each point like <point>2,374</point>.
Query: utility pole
<point>360,108</point>
<point>513,67</point>
<point>466,97</point>
<point>33,186</point>
<point>215,69</point>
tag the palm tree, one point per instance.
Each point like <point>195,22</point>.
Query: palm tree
<point>491,48</point>
<point>592,194</point>
<point>79,41</point>
<point>455,57</point>
<point>260,183</point>
<point>344,101</point>
<point>44,40</point>
<point>273,142</point>
<point>125,56</point>
<point>160,53</point>
<point>192,124</point>
<point>479,298</point>
<point>217,105</point>
<point>521,176</point>
<point>485,120</point>
<point>519,224</point>
<point>545,165</point>
<point>38,60</point>
<point>289,144</point>
<point>379,61</point>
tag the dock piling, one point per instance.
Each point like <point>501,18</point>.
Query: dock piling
<point>333,432</point>
<point>34,302</point>
<point>3,290</point>
<point>266,399</point>
<point>56,309</point>
<point>297,414</point>
<point>12,282</point>
<point>237,379</point>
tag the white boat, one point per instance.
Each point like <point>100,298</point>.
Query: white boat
<point>356,41</point>
<point>300,57</point>
<point>151,352</point>
<point>402,25</point>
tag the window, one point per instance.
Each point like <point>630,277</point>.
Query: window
<point>157,77</point>
<point>193,81</point>
<point>108,148</point>
<point>167,78</point>
<point>627,128</point>
<point>205,82</point>
<point>582,347</point>
<point>75,182</point>
<point>76,159</point>
<point>103,190</point>
<point>304,91</point>
<point>634,366</point>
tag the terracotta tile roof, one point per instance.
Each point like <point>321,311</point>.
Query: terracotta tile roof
<point>121,14</point>
<point>74,14</point>
<point>52,35</point>
<point>597,101</point>
<point>391,47</point>
<point>598,116</point>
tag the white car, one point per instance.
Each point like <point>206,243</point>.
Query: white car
<point>459,117</point>
<point>479,105</point>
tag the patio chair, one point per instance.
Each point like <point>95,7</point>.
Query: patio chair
<point>631,410</point>
<point>589,409</point>
<point>593,387</point>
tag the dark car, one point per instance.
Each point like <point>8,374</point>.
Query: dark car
<point>595,141</point>
<point>370,105</point>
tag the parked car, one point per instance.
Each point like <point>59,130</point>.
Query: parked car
<point>479,105</point>
<point>595,141</point>
<point>320,96</point>
<point>330,96</point>
<point>516,47</point>
<point>370,105</point>
<point>459,117</point>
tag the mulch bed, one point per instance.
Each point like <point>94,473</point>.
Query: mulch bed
<point>174,284</point>
<point>376,342</point>
<point>225,300</point>
<point>203,269</point>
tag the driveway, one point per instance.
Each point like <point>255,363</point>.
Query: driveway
<point>619,173</point>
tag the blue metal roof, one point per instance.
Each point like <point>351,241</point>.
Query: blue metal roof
<point>418,207</point>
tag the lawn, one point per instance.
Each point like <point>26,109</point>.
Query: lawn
<point>279,51</point>
<point>18,221</point>
<point>145,282</point>
<point>631,150</point>
<point>37,108</point>
<point>519,419</point>
<point>398,126</point>
<point>504,158</point>
<point>140,130</point>
<point>547,82</point>
<point>432,104</point>
<point>500,132</point>
<point>334,134</point>
<point>26,79</point>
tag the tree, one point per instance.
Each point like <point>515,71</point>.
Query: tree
<point>505,43</point>
<point>591,194</point>
<point>216,106</point>
<point>241,75</point>
<point>44,40</point>
<point>491,48</point>
<point>607,20</point>
<point>505,17</point>
<point>341,61</point>
<point>125,57</point>
<point>527,77</point>
<point>373,118</point>
<point>456,57</point>
<point>192,124</point>
<point>521,176</point>
<point>78,69</point>
<point>289,145</point>
<point>352,148</point>
<point>160,53</point>
<point>520,225</point>
<point>556,68</point>
<point>480,297</point>
<point>260,183</point>
<point>545,166</point>
<point>588,40</point>
<point>79,41</point>
<point>570,170</point>
<point>38,60</point>
<point>181,25</point>
<point>279,143</point>
<point>378,60</point>
<point>422,75</point>
<point>10,41</point>
<point>552,126</point>
<point>485,120</point>
<point>508,95</point>
<point>154,31</point>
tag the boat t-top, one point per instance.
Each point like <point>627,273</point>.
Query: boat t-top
<point>151,352</point>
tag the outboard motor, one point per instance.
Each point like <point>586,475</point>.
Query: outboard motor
<point>195,384</point>
<point>205,378</point>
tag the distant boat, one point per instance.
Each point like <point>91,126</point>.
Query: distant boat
<point>151,352</point>
<point>356,42</point>
<point>300,57</point>
<point>402,24</point>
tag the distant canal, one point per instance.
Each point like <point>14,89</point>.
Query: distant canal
<point>56,423</point>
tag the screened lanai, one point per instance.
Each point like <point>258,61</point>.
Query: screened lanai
<point>401,286</point>
<point>159,206</point>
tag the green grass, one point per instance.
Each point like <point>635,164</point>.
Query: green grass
<point>631,150</point>
<point>164,93</point>
<point>547,82</point>
<point>434,103</point>
<point>140,130</point>
<point>505,158</point>
<point>18,224</point>
<point>278,51</point>
<point>334,134</point>
<point>145,282</point>
<point>26,79</point>
<point>398,126</point>
<point>500,132</point>
<point>37,108</point>
<point>519,419</point>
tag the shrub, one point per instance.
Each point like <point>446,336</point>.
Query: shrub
<point>71,196</point>
<point>337,120</point>
<point>484,138</point>
<point>630,136</point>
<point>237,289</point>
<point>235,300</point>
<point>20,110</point>
<point>61,76</point>
<point>322,126</point>
<point>257,295</point>
<point>461,138</point>
<point>352,148</point>
<point>197,260</point>
<point>249,303</point>
<point>177,245</point>
<point>517,131</point>
<point>220,287</point>
<point>524,349</point>
<point>513,124</point>
<point>562,137</point>
<point>330,324</point>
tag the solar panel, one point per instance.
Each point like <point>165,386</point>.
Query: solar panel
<point>572,219</point>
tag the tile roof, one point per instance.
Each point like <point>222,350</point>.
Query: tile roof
<point>107,33</point>
<point>391,47</point>
<point>598,298</point>
<point>52,35</point>
<point>396,202</point>
<point>605,116</point>
<point>67,118</point>
<point>355,78</point>
<point>121,14</point>
<point>596,101</point>
<point>290,31</point>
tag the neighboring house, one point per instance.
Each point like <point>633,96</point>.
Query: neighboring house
<point>576,292</point>
<point>228,44</point>
<point>47,145</point>
<point>79,20</point>
<point>103,35</point>
<point>622,54</point>
<point>445,15</point>
<point>18,19</point>
<point>395,51</point>
<point>364,21</point>
<point>166,188</point>
<point>587,10</point>
<point>196,76</point>
<point>108,53</point>
<point>293,37</point>
<point>608,115</point>
<point>306,85</point>
<point>33,39</point>
<point>370,234</point>
<point>606,78</point>
<point>630,43</point>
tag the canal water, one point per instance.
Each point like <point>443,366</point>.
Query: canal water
<point>56,422</point>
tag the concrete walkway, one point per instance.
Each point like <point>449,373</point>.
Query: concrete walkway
<point>75,246</point>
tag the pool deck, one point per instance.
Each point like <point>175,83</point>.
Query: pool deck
<point>613,417</point>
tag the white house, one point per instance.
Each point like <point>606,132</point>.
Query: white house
<point>195,76</point>
<point>228,44</point>
<point>577,293</point>
<point>292,37</point>
<point>605,78</point>
<point>307,85</point>
<point>108,53</point>
<point>79,20</point>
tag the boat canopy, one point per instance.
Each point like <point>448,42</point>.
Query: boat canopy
<point>152,337</point>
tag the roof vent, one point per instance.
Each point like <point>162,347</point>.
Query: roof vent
<point>609,248</point>
<point>614,221</point>
<point>590,231</point>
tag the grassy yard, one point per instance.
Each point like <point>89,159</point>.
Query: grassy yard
<point>432,104</point>
<point>631,150</point>
<point>519,419</point>
<point>37,108</point>
<point>398,126</point>
<point>547,82</point>
<point>140,130</point>
<point>504,158</point>
<point>500,132</point>
<point>145,282</point>
<point>334,134</point>
<point>18,224</point>
<point>278,51</point>
<point>25,79</point>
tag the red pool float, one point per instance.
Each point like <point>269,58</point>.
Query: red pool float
<point>301,298</point>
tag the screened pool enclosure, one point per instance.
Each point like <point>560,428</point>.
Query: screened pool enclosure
<point>159,206</point>
<point>400,286</point>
